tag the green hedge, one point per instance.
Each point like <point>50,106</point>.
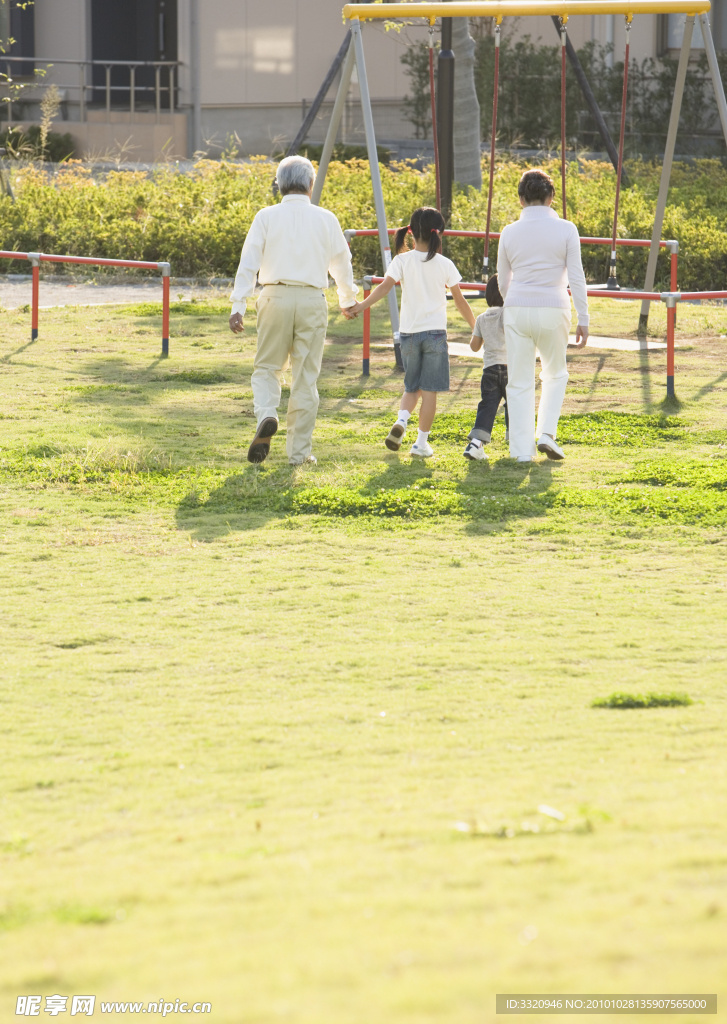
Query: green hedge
<point>198,220</point>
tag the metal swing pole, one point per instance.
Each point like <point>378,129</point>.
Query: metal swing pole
<point>563,39</point>
<point>714,71</point>
<point>612,283</point>
<point>671,138</point>
<point>333,125</point>
<point>368,120</point>
<point>434,113</point>
<point>486,254</point>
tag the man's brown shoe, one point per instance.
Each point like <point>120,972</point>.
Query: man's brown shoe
<point>258,450</point>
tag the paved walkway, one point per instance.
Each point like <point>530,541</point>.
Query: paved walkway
<point>15,293</point>
<point>457,348</point>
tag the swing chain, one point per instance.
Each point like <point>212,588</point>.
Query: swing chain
<point>493,142</point>
<point>612,281</point>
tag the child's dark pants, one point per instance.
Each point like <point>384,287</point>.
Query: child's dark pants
<point>493,385</point>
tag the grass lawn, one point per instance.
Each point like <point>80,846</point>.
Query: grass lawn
<point>277,738</point>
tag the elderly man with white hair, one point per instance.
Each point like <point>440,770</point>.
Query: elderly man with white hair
<point>292,247</point>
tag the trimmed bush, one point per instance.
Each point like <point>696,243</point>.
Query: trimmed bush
<point>198,221</point>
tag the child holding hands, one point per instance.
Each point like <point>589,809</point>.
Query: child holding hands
<point>425,274</point>
<point>489,332</point>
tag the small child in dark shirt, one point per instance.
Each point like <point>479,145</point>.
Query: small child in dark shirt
<point>490,332</point>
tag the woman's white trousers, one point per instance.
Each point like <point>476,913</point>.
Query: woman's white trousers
<point>528,328</point>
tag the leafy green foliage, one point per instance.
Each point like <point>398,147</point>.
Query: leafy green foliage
<point>198,221</point>
<point>27,144</point>
<point>638,700</point>
<point>711,475</point>
<point>418,106</point>
<point>529,97</point>
<point>343,152</point>
<point>627,430</point>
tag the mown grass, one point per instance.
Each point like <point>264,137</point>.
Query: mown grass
<point>291,740</point>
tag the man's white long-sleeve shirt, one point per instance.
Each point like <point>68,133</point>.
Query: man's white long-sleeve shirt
<point>294,243</point>
<point>538,257</point>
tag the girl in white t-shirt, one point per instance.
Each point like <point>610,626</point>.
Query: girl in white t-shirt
<point>424,275</point>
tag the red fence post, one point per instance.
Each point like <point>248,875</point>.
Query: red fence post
<point>674,260</point>
<point>34,258</point>
<point>671,300</point>
<point>367,330</point>
<point>166,271</point>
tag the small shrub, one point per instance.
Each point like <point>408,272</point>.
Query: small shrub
<point>343,152</point>
<point>647,700</point>
<point>30,144</point>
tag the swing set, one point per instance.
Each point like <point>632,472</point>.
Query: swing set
<point>359,13</point>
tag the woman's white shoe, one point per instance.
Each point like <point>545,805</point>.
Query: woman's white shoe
<point>548,446</point>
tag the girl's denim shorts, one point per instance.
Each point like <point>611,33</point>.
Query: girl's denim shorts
<point>426,361</point>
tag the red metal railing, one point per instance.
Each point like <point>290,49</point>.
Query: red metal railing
<point>36,258</point>
<point>639,243</point>
<point>671,299</point>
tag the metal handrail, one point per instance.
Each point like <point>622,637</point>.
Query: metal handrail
<point>36,258</point>
<point>131,88</point>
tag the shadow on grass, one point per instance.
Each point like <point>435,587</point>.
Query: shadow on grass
<point>245,500</point>
<point>490,495</point>
<point>645,368</point>
<point>706,388</point>
<point>9,355</point>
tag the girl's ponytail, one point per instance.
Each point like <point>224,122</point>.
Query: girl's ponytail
<point>435,245</point>
<point>399,239</point>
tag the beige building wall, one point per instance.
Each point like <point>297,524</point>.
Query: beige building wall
<point>263,61</point>
<point>262,65</point>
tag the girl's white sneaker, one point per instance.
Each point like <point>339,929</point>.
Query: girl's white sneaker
<point>395,437</point>
<point>424,452</point>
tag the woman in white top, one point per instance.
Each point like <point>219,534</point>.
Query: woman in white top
<point>538,258</point>
<point>425,276</point>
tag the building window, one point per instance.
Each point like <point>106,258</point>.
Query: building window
<point>670,33</point>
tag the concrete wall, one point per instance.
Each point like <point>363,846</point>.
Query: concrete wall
<point>117,137</point>
<point>266,129</point>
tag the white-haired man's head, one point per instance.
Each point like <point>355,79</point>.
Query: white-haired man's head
<point>295,174</point>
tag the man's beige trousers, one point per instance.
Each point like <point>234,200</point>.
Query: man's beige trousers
<point>291,324</point>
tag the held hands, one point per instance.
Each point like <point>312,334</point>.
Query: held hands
<point>236,324</point>
<point>581,336</point>
<point>351,312</point>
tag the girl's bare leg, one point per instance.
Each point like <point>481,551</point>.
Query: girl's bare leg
<point>409,400</point>
<point>428,409</point>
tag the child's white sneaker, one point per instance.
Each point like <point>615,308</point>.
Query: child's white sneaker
<point>475,450</point>
<point>395,437</point>
<point>423,451</point>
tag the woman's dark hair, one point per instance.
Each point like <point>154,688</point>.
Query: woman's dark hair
<point>427,225</point>
<point>535,187</point>
<point>492,292</point>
